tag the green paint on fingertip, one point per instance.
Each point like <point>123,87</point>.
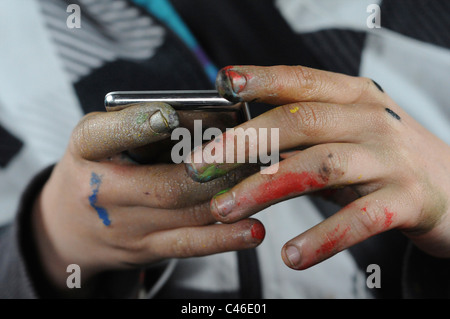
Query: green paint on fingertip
<point>210,173</point>
<point>222,192</point>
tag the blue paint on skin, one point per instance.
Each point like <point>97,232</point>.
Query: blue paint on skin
<point>95,183</point>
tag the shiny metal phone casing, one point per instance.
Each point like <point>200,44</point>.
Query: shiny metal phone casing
<point>185,101</point>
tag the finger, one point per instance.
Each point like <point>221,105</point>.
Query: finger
<point>161,151</point>
<point>143,220</point>
<point>99,135</point>
<point>303,124</point>
<point>316,168</point>
<point>364,218</point>
<point>289,84</point>
<point>164,186</point>
<point>202,241</point>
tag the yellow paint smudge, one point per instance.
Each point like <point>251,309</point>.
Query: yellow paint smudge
<point>295,109</point>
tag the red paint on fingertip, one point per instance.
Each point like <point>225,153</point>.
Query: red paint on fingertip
<point>258,231</point>
<point>238,81</point>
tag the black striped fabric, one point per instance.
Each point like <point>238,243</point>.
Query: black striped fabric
<point>121,47</point>
<point>111,30</point>
<point>9,146</point>
<point>424,20</point>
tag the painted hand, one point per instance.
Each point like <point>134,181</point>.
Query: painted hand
<point>104,212</point>
<point>343,137</point>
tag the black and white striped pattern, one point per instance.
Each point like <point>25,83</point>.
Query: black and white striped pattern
<point>110,30</point>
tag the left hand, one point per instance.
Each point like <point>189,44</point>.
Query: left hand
<point>352,142</point>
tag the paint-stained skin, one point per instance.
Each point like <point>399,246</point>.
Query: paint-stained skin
<point>288,184</point>
<point>393,114</point>
<point>207,173</point>
<point>221,192</point>
<point>285,185</point>
<point>139,124</point>
<point>388,218</point>
<point>279,186</point>
<point>96,181</point>
<point>333,240</point>
<point>294,110</point>
<point>378,86</point>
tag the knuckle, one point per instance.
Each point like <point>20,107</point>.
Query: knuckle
<point>87,194</point>
<point>184,245</point>
<point>78,137</point>
<point>430,208</point>
<point>303,119</point>
<point>129,245</point>
<point>221,243</point>
<point>333,165</point>
<point>378,121</point>
<point>201,214</point>
<point>368,222</point>
<point>134,252</point>
<point>307,81</point>
<point>168,193</point>
<point>365,88</point>
<point>198,214</point>
<point>82,135</point>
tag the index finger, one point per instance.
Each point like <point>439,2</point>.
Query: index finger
<point>289,84</point>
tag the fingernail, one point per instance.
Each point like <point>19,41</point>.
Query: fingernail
<point>159,123</point>
<point>223,202</point>
<point>230,83</point>
<point>258,231</point>
<point>293,255</point>
<point>164,120</point>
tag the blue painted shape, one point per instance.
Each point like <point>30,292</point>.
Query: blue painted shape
<point>95,183</point>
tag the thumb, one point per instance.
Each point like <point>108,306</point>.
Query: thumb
<point>100,135</point>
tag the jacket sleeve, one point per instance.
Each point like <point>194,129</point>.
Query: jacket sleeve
<point>16,253</point>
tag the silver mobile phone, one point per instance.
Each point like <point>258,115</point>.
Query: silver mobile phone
<point>207,106</point>
<point>185,101</point>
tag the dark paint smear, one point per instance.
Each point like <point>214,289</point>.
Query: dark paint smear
<point>378,86</point>
<point>393,114</point>
<point>96,181</point>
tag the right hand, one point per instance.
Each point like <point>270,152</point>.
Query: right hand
<point>104,212</point>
